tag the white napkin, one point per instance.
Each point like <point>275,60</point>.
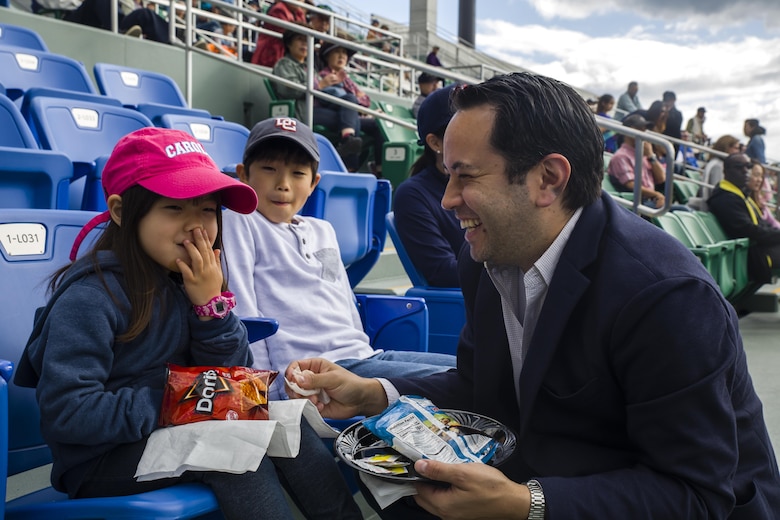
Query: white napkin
<point>384,492</point>
<point>229,446</point>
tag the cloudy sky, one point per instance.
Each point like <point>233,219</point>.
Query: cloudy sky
<point>724,55</point>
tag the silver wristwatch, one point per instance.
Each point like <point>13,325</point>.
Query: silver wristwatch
<point>537,500</point>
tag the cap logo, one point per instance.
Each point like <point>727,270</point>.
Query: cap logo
<point>287,123</point>
<point>182,147</point>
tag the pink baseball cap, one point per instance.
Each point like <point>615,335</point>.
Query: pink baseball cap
<point>170,163</point>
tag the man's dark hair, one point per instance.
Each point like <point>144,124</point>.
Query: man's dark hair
<point>537,116</point>
<point>669,96</point>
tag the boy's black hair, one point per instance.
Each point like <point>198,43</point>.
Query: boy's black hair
<point>280,149</point>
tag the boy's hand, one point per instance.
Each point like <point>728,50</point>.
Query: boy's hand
<point>203,277</point>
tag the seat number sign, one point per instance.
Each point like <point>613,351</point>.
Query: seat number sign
<point>23,239</point>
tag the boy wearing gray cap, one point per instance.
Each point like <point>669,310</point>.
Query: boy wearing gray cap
<point>288,267</point>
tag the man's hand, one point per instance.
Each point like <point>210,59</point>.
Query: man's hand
<point>350,395</point>
<point>475,491</point>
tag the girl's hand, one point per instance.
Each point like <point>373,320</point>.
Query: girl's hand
<point>203,277</point>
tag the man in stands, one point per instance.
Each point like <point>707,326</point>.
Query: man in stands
<point>629,101</point>
<point>740,216</point>
<point>433,57</point>
<point>674,118</point>
<point>427,83</point>
<point>599,339</point>
<point>622,166</point>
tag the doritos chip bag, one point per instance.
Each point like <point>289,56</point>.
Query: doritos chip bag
<point>194,394</point>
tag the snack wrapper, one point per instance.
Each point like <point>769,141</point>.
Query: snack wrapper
<point>204,393</point>
<point>417,429</point>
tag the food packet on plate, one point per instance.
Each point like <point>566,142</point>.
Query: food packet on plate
<point>194,394</point>
<point>418,429</point>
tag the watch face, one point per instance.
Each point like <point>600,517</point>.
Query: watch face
<point>219,307</point>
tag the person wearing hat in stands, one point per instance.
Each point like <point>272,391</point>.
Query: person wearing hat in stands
<point>334,80</point>
<point>431,235</point>
<point>151,291</point>
<point>622,166</point>
<point>427,84</point>
<point>289,267</point>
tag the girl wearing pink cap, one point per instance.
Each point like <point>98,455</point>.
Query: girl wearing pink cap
<point>151,291</point>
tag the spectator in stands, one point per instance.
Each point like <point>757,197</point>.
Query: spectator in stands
<point>343,120</point>
<point>334,80</point>
<point>584,334</point>
<point>427,84</point>
<point>289,267</point>
<point>372,35</point>
<point>145,296</point>
<point>695,126</point>
<point>224,28</point>
<point>604,106</point>
<point>755,147</point>
<point>739,216</point>
<point>674,119</point>
<point>622,168</point>
<point>320,22</point>
<point>269,48</point>
<point>713,170</point>
<point>134,20</point>
<point>433,57</point>
<point>762,193</point>
<point>628,100</point>
<point>430,234</point>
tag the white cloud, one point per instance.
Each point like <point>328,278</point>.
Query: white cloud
<point>735,79</point>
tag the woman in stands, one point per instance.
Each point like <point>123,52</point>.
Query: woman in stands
<point>755,148</point>
<point>762,194</point>
<point>604,106</point>
<point>341,120</point>
<point>713,170</point>
<point>334,80</point>
<point>431,235</point>
<point>151,292</point>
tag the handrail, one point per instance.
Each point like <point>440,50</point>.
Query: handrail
<point>639,138</point>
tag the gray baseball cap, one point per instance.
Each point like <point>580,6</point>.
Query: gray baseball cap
<point>286,128</point>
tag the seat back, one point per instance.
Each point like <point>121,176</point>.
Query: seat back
<point>33,244</point>
<point>446,309</point>
<point>355,204</point>
<point>34,179</point>
<point>84,128</point>
<point>22,69</point>
<point>223,140</point>
<point>18,36</point>
<point>14,131</point>
<point>330,160</point>
<point>417,279</point>
<point>135,86</point>
<point>6,368</point>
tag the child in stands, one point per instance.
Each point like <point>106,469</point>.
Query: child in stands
<point>148,293</point>
<point>288,267</point>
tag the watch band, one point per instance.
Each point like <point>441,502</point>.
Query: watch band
<point>538,506</point>
<point>218,307</point>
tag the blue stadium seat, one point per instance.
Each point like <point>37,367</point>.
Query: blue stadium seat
<point>356,205</point>
<point>151,93</point>
<point>22,69</point>
<point>223,140</point>
<point>21,37</point>
<point>446,309</point>
<point>83,127</point>
<point>330,160</point>
<point>6,368</point>
<point>14,131</point>
<point>34,178</point>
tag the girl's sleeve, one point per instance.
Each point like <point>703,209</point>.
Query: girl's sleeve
<point>76,364</point>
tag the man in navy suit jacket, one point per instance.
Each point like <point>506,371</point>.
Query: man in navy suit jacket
<point>598,338</point>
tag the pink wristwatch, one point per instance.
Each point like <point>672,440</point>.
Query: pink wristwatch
<point>218,306</point>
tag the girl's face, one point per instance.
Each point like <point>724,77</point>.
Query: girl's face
<point>298,48</point>
<point>756,178</point>
<point>170,222</point>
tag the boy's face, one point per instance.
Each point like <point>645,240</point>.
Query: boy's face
<point>282,188</point>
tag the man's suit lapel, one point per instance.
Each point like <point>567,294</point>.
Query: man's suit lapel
<point>567,287</point>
